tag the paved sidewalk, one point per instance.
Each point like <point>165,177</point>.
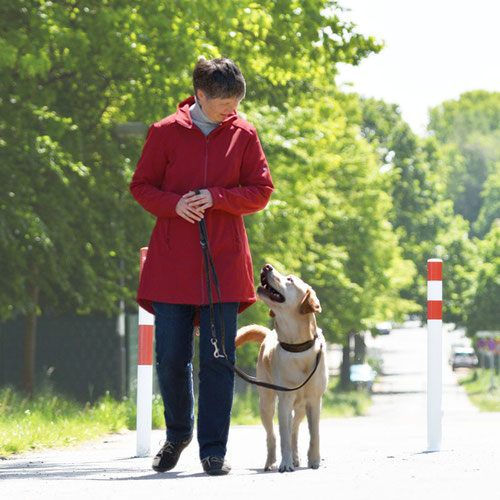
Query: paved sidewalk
<point>381,455</point>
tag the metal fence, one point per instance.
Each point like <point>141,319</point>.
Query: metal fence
<point>81,356</point>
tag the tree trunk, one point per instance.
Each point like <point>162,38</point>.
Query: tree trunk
<point>30,334</point>
<point>359,349</point>
<point>345,369</point>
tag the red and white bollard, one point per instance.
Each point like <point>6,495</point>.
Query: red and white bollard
<point>434,352</point>
<point>144,376</point>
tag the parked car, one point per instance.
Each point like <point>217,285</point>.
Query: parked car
<point>463,357</point>
<point>383,328</point>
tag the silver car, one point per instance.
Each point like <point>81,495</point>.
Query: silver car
<point>463,357</point>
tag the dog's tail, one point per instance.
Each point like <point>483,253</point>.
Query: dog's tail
<point>251,333</point>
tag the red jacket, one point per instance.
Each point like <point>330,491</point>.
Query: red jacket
<point>177,158</point>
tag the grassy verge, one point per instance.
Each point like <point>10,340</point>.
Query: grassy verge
<point>51,420</point>
<point>335,404</point>
<point>338,404</point>
<point>478,386</point>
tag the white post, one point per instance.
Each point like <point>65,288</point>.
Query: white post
<point>144,377</point>
<point>434,352</point>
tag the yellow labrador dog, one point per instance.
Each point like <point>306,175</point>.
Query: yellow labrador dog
<point>287,357</point>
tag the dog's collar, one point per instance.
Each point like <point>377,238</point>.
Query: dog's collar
<point>299,347</point>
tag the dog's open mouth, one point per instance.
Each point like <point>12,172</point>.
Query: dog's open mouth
<point>267,290</point>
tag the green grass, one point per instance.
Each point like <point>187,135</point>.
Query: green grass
<point>478,386</point>
<point>51,420</point>
<point>246,408</point>
<point>335,404</point>
<point>338,404</point>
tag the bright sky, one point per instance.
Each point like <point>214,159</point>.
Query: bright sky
<point>435,50</point>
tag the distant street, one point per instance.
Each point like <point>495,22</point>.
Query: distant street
<point>402,389</point>
<point>381,455</point>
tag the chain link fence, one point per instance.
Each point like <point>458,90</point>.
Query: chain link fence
<point>80,356</point>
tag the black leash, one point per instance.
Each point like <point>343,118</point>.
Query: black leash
<point>210,269</point>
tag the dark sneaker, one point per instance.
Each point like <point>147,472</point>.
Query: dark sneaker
<point>215,466</point>
<point>168,456</point>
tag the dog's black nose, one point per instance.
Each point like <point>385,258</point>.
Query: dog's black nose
<point>267,267</point>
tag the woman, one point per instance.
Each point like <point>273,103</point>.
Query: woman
<point>204,146</point>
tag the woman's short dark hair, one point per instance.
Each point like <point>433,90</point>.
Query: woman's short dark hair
<point>219,79</point>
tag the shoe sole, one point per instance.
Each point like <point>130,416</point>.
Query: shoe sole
<point>217,473</point>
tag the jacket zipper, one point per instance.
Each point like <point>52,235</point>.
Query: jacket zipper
<point>207,140</point>
<point>204,297</point>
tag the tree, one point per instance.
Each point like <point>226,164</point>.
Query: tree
<point>468,135</point>
<point>490,207</point>
<point>69,72</point>
<point>327,220</point>
<point>484,304</point>
<point>469,130</point>
<point>422,215</point>
<point>58,206</point>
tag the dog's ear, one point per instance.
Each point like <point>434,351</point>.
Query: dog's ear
<point>271,313</point>
<point>310,303</point>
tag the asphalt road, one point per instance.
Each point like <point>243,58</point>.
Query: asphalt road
<point>381,455</point>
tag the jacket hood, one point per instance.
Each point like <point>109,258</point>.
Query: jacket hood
<point>183,116</point>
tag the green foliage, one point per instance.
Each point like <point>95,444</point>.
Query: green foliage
<point>328,212</point>
<point>459,254</point>
<point>71,72</point>
<point>477,111</point>
<point>337,403</point>
<point>50,420</point>
<point>490,207</point>
<point>328,218</point>
<point>360,203</point>
<point>246,407</point>
<point>470,130</point>
<point>478,387</point>
<point>60,209</point>
<point>483,304</point>
<point>423,215</point>
<point>468,135</point>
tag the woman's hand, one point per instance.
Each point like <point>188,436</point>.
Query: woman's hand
<point>192,206</point>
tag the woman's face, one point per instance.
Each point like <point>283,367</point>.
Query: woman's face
<point>217,109</point>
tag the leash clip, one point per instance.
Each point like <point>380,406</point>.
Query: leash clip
<point>217,354</point>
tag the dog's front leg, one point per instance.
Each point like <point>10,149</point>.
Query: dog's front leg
<point>313,417</point>
<point>285,406</point>
<point>267,406</point>
<point>298,414</point>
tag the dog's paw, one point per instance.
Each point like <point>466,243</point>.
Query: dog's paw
<point>296,461</point>
<point>286,466</point>
<point>270,467</point>
<point>314,464</point>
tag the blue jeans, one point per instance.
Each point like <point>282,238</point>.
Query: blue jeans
<point>174,335</point>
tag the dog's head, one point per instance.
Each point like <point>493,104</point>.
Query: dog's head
<point>286,293</point>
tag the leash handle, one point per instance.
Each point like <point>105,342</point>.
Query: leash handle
<point>210,272</point>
